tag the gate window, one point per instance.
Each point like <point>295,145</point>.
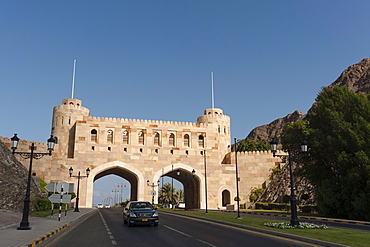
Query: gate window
<point>141,138</point>
<point>125,136</point>
<point>110,136</point>
<point>172,140</point>
<point>186,140</point>
<point>156,139</point>
<point>94,135</point>
<point>201,141</point>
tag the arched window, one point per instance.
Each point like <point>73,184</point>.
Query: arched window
<point>201,141</point>
<point>156,139</point>
<point>225,198</point>
<point>125,137</point>
<point>186,140</point>
<point>171,140</point>
<point>110,136</point>
<point>94,135</point>
<point>141,138</point>
<point>56,139</point>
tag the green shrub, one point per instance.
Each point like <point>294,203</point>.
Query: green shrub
<point>42,204</point>
<point>252,198</point>
<point>286,198</point>
<point>308,208</point>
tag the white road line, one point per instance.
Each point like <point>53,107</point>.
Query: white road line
<point>204,242</point>
<point>177,231</point>
<point>108,230</point>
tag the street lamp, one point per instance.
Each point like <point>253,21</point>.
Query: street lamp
<point>293,201</point>
<point>115,191</point>
<point>25,224</point>
<point>237,179</point>
<point>153,186</point>
<point>186,180</point>
<point>121,185</point>
<point>78,184</point>
<point>205,177</point>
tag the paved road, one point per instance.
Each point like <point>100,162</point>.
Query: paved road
<point>106,228</point>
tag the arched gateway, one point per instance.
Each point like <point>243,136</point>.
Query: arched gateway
<point>142,150</point>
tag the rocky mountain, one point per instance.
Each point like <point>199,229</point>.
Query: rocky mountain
<point>269,131</point>
<point>13,182</point>
<point>356,77</point>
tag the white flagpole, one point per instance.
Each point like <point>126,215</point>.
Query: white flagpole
<point>73,77</point>
<point>213,93</point>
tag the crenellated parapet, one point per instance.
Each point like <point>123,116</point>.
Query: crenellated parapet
<point>144,122</point>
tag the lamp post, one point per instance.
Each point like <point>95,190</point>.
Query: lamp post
<point>205,178</point>
<point>78,184</point>
<point>293,201</point>
<point>25,224</point>
<point>121,185</point>
<point>115,191</point>
<point>186,179</point>
<point>153,191</point>
<point>237,179</point>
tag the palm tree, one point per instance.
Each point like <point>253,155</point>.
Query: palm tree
<point>179,195</point>
<point>165,194</point>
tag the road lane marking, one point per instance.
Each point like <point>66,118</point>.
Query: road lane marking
<point>68,230</point>
<point>183,233</point>
<point>206,243</point>
<point>245,230</point>
<point>113,241</point>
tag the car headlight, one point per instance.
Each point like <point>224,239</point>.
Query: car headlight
<point>155,214</point>
<point>133,215</point>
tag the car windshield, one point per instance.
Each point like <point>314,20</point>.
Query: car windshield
<point>141,206</point>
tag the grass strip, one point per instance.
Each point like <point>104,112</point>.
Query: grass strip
<point>348,237</point>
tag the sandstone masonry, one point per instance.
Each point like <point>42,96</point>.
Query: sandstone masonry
<point>141,150</point>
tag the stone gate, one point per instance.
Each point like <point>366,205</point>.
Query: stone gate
<point>142,150</point>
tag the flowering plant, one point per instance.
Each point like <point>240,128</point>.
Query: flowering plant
<point>302,225</point>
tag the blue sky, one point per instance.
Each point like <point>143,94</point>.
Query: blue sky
<point>152,59</point>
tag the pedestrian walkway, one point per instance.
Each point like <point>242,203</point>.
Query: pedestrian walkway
<point>41,227</point>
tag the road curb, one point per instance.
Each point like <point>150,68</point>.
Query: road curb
<point>39,240</point>
<point>269,232</point>
<point>305,217</point>
<point>43,238</point>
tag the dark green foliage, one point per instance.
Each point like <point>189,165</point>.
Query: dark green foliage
<point>338,133</point>
<point>248,144</point>
<point>272,206</point>
<point>286,198</point>
<point>305,196</point>
<point>255,194</point>
<point>42,204</point>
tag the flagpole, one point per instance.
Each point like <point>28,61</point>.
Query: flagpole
<point>213,94</point>
<point>73,77</point>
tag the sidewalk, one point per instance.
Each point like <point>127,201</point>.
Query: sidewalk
<point>42,227</point>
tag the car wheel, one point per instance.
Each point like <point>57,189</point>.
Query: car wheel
<point>155,224</point>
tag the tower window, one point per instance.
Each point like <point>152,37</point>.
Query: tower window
<point>94,135</point>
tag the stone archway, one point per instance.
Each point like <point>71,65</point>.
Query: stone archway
<point>225,193</point>
<point>193,191</point>
<point>126,171</point>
